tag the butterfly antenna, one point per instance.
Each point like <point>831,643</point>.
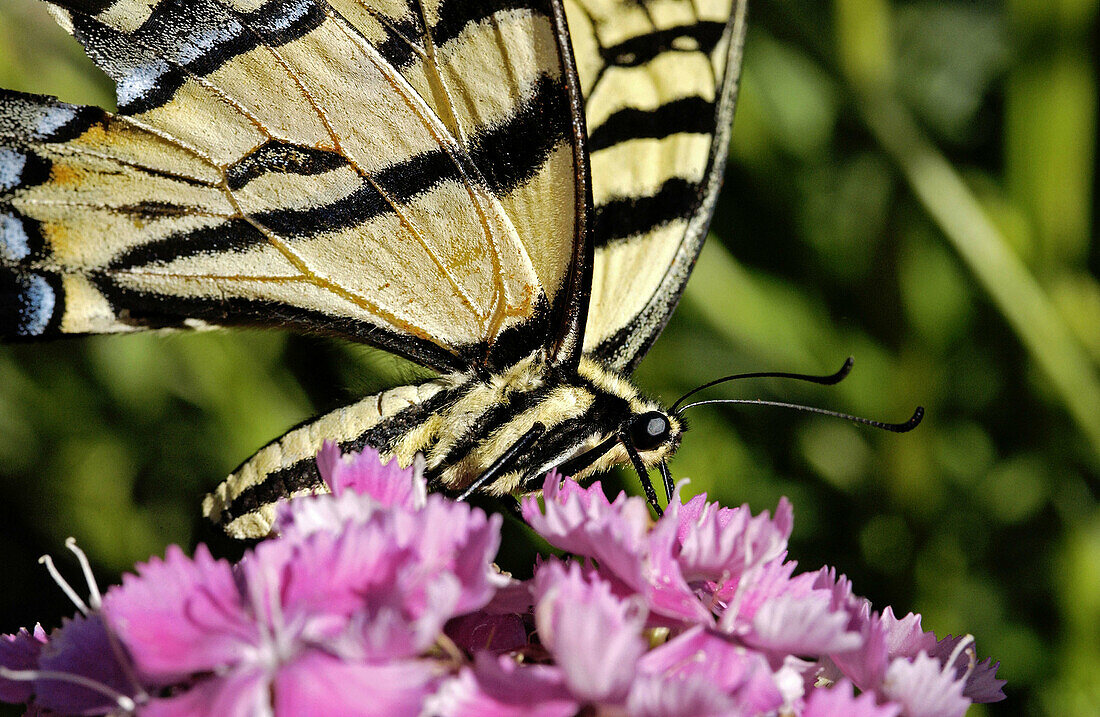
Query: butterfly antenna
<point>831,379</point>
<point>905,427</point>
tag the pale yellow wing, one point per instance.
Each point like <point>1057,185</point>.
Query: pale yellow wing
<point>277,163</point>
<point>659,79</point>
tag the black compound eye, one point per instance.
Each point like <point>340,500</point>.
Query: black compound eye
<point>649,430</point>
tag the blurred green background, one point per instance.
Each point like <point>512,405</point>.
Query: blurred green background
<point>910,183</point>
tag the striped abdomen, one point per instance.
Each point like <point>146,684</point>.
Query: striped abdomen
<point>460,423</point>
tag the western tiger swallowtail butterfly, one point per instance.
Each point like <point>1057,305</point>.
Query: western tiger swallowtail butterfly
<point>509,192</point>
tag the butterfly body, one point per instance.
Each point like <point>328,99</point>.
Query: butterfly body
<point>511,193</point>
<point>463,424</point>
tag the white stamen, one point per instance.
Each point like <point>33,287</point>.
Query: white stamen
<point>124,703</point>
<point>94,596</point>
<point>63,584</point>
<point>967,643</point>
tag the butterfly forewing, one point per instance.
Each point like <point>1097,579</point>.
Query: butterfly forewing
<point>346,180</point>
<point>414,174</point>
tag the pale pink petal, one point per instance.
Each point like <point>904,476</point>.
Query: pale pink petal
<point>319,684</point>
<point>840,701</point>
<point>699,655</point>
<point>618,537</point>
<point>595,637</point>
<point>327,513</point>
<point>582,521</point>
<point>801,626</point>
<point>20,652</point>
<point>658,578</point>
<point>500,687</point>
<point>180,615</point>
<point>720,544</point>
<point>923,688</point>
<point>238,694</point>
<point>683,697</point>
<point>905,637</point>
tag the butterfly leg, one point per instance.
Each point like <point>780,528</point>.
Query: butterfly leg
<point>525,441</point>
<point>643,475</point>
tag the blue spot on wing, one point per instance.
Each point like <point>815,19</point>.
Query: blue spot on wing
<point>28,303</point>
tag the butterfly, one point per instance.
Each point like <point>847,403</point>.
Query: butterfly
<point>509,192</point>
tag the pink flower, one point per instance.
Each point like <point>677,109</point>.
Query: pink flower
<point>632,553</point>
<point>380,600</point>
<point>358,600</point>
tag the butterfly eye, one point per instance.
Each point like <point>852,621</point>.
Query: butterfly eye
<point>649,430</point>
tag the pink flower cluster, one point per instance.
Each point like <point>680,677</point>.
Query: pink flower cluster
<point>382,600</point>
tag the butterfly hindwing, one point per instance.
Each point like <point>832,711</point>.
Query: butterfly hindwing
<point>659,79</point>
<point>323,189</point>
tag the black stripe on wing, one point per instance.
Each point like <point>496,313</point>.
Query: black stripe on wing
<point>147,310</point>
<point>693,115</point>
<point>623,218</point>
<point>702,36</point>
<point>26,118</point>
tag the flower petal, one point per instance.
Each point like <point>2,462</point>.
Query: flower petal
<point>81,647</point>
<point>500,687</point>
<point>840,701</point>
<point>595,637</point>
<point>801,626</point>
<point>180,615</point>
<point>700,655</point>
<point>365,473</point>
<point>923,688</point>
<point>320,684</point>
<point>238,694</point>
<point>20,652</point>
<point>618,537</point>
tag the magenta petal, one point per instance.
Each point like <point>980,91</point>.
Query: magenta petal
<point>462,540</point>
<point>20,652</point>
<point>365,473</point>
<point>81,647</point>
<point>320,684</point>
<point>324,574</point>
<point>595,637</point>
<point>180,615</point>
<point>500,687</point>
<point>840,701</point>
<point>239,694</point>
<point>923,688</point>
